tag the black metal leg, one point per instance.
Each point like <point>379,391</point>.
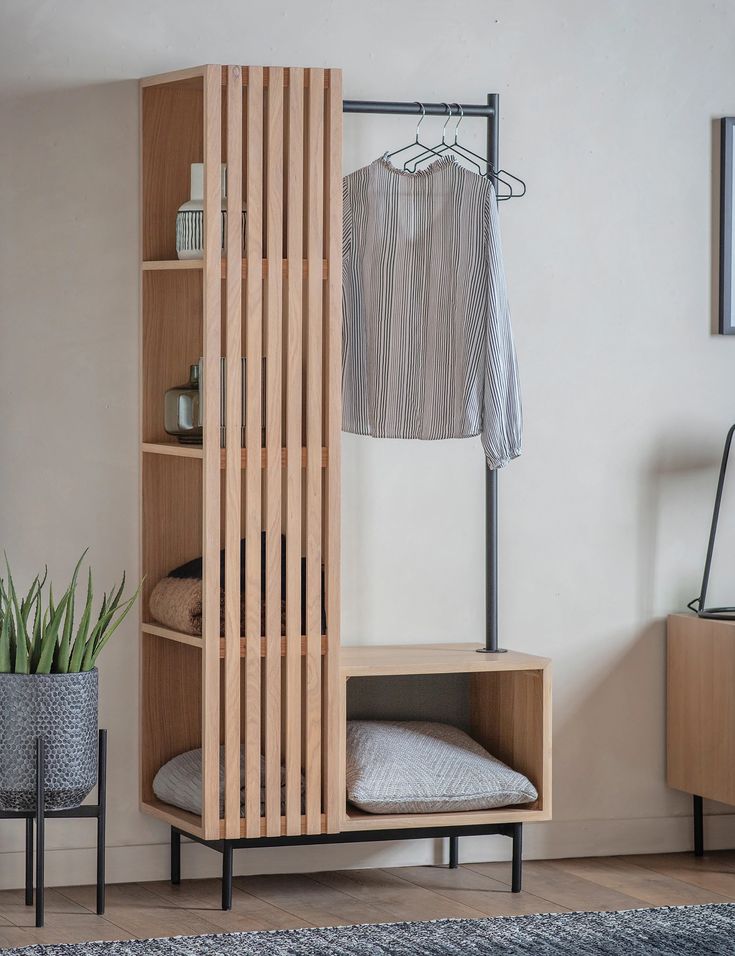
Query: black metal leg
<point>40,827</point>
<point>453,852</point>
<point>175,856</point>
<point>227,875</point>
<point>698,826</point>
<point>101,819</point>
<point>517,875</point>
<point>29,861</point>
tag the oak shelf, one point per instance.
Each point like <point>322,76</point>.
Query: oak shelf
<point>177,450</point>
<point>188,265</point>
<point>194,640</point>
<point>192,822</point>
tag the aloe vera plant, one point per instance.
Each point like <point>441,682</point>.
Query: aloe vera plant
<point>38,635</point>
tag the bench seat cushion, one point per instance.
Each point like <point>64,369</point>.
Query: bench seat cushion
<point>426,767</point>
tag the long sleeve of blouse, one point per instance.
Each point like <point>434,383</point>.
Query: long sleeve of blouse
<point>427,347</point>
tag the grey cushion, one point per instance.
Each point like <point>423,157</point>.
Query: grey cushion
<point>421,767</point>
<point>179,782</point>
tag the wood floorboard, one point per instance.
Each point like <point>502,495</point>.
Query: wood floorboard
<point>473,890</point>
<point>546,880</point>
<point>248,912</point>
<point>714,871</point>
<point>312,902</point>
<point>136,910</point>
<point>144,914</point>
<point>400,899</point>
<point>655,889</point>
<point>14,910</point>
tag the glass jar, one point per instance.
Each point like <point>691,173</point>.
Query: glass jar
<point>182,416</point>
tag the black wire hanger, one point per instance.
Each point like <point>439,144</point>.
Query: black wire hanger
<point>416,141</point>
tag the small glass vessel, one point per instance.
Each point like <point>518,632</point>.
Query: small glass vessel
<point>182,416</point>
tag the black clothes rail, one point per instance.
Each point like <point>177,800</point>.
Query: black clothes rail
<point>490,112</point>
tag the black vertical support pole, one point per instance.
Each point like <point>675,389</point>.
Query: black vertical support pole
<point>175,856</point>
<point>40,827</point>
<point>29,861</point>
<point>698,808</point>
<point>517,872</point>
<point>101,819</point>
<point>453,852</point>
<point>227,874</point>
<point>491,474</point>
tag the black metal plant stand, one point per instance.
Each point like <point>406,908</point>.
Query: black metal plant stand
<point>40,815</point>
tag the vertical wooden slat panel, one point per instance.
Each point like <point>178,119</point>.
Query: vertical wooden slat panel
<point>314,205</point>
<point>233,477</point>
<point>211,464</point>
<point>294,252</point>
<point>254,351</point>
<point>274,335</point>
<point>333,393</point>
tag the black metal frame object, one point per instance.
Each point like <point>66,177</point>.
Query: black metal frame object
<point>40,814</point>
<point>226,847</point>
<point>490,112</point>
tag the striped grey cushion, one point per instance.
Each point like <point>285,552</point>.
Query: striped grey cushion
<point>421,767</point>
<point>179,782</point>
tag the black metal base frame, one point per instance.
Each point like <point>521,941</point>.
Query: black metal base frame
<point>41,814</point>
<point>226,847</point>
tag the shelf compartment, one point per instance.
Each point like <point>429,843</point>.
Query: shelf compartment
<point>192,823</point>
<point>502,701</point>
<point>187,265</point>
<point>177,450</point>
<point>195,641</point>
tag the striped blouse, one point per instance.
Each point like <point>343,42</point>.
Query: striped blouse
<point>427,346</point>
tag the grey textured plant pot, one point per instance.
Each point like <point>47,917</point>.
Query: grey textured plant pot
<point>62,708</point>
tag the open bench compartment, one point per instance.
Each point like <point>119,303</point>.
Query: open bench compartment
<point>502,701</point>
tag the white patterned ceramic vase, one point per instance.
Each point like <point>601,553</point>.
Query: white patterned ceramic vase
<point>190,217</point>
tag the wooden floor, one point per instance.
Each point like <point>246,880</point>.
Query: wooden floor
<point>370,896</point>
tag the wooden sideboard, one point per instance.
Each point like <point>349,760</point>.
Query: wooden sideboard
<point>700,712</point>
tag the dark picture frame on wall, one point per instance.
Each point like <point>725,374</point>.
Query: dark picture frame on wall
<point>727,223</point>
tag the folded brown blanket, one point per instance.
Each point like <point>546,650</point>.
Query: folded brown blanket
<point>177,603</point>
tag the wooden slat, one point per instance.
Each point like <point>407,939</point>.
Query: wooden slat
<point>274,335</point>
<point>314,205</point>
<point>333,397</point>
<point>294,251</point>
<point>254,351</point>
<point>211,448</point>
<point>233,431</point>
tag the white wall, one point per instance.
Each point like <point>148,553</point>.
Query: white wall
<point>608,112</point>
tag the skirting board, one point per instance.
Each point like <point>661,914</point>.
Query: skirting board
<point>554,840</point>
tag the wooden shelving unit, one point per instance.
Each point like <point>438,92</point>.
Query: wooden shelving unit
<point>273,297</point>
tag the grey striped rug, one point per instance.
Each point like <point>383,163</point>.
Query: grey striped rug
<point>665,931</point>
